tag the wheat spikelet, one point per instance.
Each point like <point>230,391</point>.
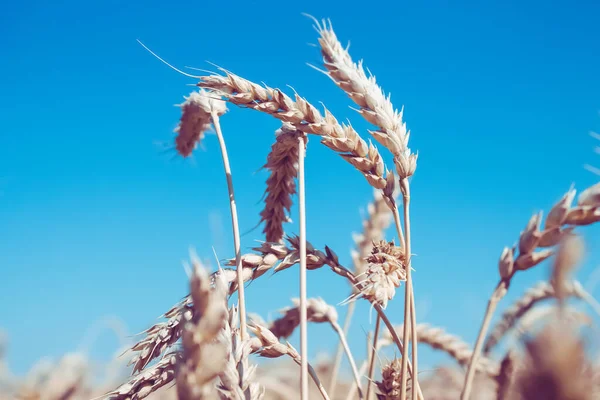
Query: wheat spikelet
<point>389,387</point>
<point>305,117</point>
<point>385,272</point>
<point>379,218</point>
<point>535,294</point>
<point>195,120</point>
<point>317,311</point>
<point>237,381</point>
<point>148,381</point>
<point>375,106</point>
<point>282,163</point>
<point>266,344</point>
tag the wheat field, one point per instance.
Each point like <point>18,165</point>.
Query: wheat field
<point>211,346</point>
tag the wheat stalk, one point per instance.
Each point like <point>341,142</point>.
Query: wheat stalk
<point>561,220</point>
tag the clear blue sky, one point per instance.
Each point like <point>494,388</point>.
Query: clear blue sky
<point>95,219</point>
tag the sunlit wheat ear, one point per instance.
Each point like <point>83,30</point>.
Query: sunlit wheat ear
<point>196,120</point>
<point>555,367</point>
<point>384,274</point>
<point>375,106</point>
<point>238,380</point>
<point>341,138</point>
<point>282,163</point>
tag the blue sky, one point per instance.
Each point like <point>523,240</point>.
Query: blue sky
<point>95,218</point>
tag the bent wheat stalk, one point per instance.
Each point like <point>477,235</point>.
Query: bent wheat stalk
<point>235,226</point>
<point>561,220</point>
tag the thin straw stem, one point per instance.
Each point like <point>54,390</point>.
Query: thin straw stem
<point>372,357</point>
<point>498,294</point>
<point>303,312</point>
<point>362,370</point>
<point>235,225</point>
<point>344,343</point>
<point>340,350</point>
<point>409,301</point>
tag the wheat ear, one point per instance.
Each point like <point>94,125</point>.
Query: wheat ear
<point>282,163</point>
<point>378,109</point>
<point>237,381</point>
<point>439,339</point>
<point>532,296</point>
<point>341,138</point>
<point>203,357</point>
<point>320,312</point>
<point>267,345</point>
<point>561,220</point>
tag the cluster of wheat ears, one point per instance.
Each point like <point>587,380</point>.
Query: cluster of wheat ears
<point>202,348</point>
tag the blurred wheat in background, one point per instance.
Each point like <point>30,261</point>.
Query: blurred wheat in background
<point>210,346</point>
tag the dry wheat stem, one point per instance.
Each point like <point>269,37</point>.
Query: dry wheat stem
<point>340,350</point>
<point>373,356</point>
<point>535,294</point>
<point>303,311</point>
<point>561,220</point>
<point>235,226</point>
<point>305,117</point>
<point>409,309</point>
<point>340,333</point>
<point>362,370</point>
<point>498,294</point>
